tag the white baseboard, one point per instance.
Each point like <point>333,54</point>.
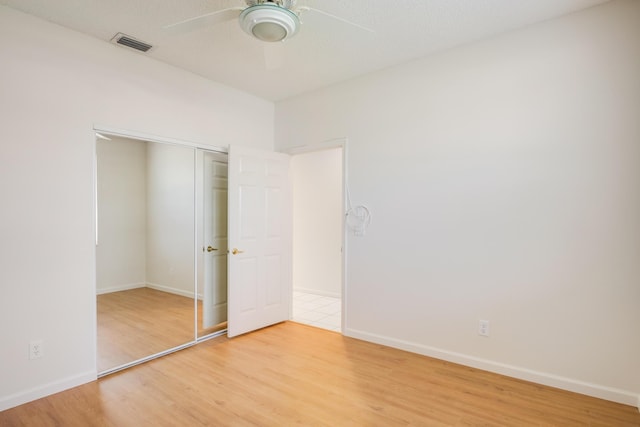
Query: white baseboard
<point>317,292</point>
<point>169,289</point>
<point>26,396</point>
<point>162,288</point>
<point>119,288</point>
<point>589,389</point>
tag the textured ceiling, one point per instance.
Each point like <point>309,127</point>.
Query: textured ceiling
<point>325,51</point>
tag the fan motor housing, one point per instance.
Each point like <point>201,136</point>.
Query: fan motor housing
<point>269,22</point>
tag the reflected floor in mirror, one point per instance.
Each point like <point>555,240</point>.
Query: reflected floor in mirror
<point>140,322</point>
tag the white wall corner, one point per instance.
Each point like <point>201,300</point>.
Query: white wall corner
<point>568,384</point>
<point>44,390</point>
<point>172,290</point>
<point>119,288</point>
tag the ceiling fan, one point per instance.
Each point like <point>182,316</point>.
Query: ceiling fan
<point>266,20</point>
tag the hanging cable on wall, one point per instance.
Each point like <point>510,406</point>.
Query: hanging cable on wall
<point>358,217</point>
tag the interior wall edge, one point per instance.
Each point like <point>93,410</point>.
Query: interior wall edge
<point>44,390</point>
<point>542,378</point>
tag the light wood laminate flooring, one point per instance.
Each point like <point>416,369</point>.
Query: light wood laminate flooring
<point>293,374</point>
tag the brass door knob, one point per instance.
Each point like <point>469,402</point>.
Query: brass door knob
<point>211,249</point>
<point>236,251</point>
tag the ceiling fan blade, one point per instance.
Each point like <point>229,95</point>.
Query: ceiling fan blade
<point>273,55</point>
<point>202,21</point>
<point>311,9</point>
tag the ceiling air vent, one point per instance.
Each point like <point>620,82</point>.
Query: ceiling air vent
<point>125,40</point>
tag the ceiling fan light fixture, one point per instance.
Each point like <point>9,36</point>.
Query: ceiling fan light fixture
<point>269,23</point>
<point>269,32</point>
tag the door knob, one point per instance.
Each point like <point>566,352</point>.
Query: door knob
<point>211,249</point>
<point>236,251</point>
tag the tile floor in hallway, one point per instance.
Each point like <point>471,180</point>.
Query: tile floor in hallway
<point>317,310</point>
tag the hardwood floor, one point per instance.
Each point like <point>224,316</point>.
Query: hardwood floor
<point>293,374</point>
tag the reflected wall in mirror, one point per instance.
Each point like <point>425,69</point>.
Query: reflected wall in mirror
<point>145,253</point>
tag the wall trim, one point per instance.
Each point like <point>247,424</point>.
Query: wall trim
<point>35,393</point>
<point>316,146</point>
<point>568,384</point>
<point>119,288</point>
<point>142,136</point>
<point>169,289</point>
<point>157,287</point>
<point>317,292</point>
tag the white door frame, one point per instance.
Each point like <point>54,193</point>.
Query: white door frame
<point>327,145</point>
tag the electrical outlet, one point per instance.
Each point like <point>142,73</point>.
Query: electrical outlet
<point>483,328</point>
<point>35,349</point>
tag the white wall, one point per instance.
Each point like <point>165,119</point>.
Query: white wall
<point>122,213</point>
<point>504,183</point>
<point>55,85</point>
<point>317,222</point>
<point>170,218</point>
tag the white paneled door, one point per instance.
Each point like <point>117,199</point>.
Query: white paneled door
<point>214,307</point>
<point>259,260</point>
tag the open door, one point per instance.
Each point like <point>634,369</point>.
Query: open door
<point>259,222</point>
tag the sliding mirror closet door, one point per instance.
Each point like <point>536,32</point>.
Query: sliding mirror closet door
<point>145,252</point>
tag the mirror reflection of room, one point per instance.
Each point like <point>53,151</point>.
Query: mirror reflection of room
<point>212,264</point>
<point>145,249</point>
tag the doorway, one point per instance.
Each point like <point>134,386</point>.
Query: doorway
<point>318,217</point>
